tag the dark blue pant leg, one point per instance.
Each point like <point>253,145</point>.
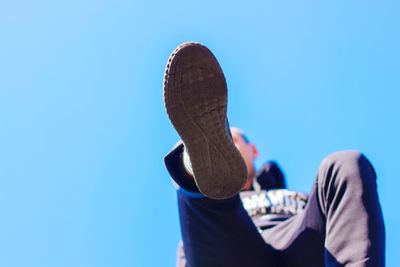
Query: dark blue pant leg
<point>342,224</point>
<point>220,233</point>
<point>215,232</point>
<point>355,233</point>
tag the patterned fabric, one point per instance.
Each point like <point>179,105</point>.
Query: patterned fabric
<point>278,202</point>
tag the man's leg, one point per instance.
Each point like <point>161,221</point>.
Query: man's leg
<point>342,224</point>
<point>215,232</point>
<point>216,229</point>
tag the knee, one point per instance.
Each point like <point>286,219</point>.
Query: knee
<point>349,165</point>
<point>345,157</point>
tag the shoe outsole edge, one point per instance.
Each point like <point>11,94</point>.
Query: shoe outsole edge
<point>195,97</point>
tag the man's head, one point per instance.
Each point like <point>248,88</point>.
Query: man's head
<point>249,153</point>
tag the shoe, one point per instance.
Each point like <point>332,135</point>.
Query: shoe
<point>195,96</point>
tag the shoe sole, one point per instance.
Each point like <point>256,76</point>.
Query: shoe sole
<point>195,97</point>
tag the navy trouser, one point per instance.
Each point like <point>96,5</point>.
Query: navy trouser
<point>342,224</point>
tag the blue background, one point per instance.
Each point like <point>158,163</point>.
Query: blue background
<point>83,127</point>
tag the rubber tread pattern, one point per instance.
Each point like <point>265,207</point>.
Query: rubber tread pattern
<point>195,97</point>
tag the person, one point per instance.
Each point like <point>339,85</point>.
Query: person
<point>231,215</point>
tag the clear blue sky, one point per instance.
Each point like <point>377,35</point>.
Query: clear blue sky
<point>83,128</point>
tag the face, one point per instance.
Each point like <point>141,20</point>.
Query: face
<point>249,153</point>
